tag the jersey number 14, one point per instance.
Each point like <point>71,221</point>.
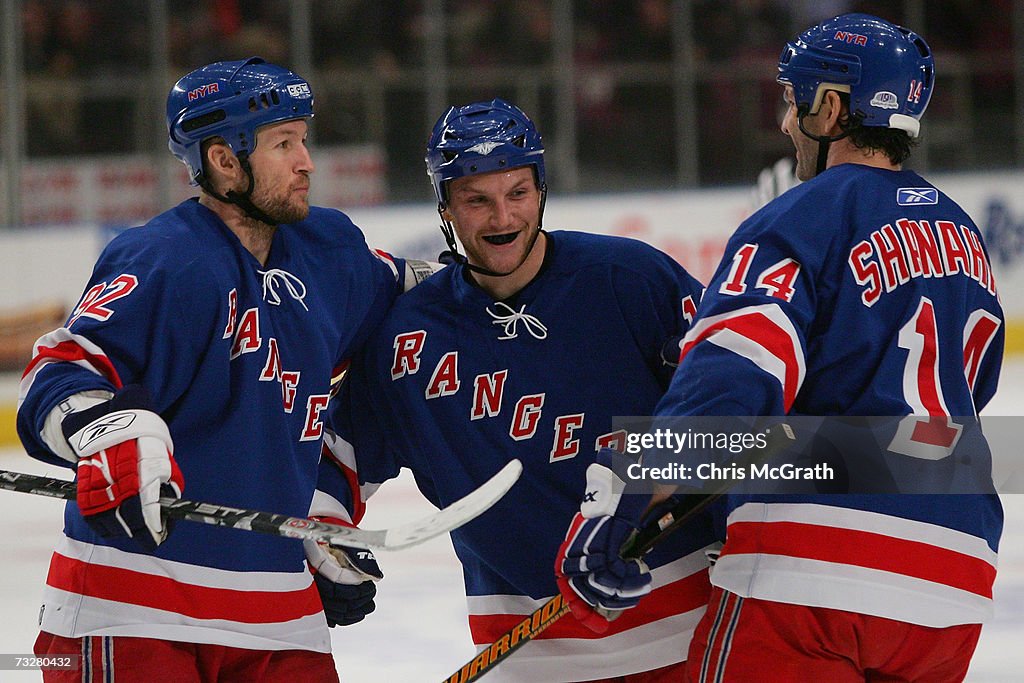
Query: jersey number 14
<point>930,432</point>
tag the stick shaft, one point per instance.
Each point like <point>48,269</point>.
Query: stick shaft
<point>206,513</point>
<point>526,630</point>
<point>395,538</point>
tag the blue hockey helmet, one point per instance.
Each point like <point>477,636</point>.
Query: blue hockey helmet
<point>231,100</point>
<point>480,138</point>
<point>888,71</point>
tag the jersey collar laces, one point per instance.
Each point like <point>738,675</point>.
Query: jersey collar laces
<point>510,321</point>
<point>275,276</point>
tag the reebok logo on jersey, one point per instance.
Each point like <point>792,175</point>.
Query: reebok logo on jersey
<point>484,148</point>
<point>917,196</point>
<point>111,423</point>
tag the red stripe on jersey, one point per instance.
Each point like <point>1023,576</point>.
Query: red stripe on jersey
<point>388,260</point>
<point>196,602</point>
<point>863,549</point>
<point>765,332</point>
<point>678,597</point>
<point>70,352</point>
<point>358,506</point>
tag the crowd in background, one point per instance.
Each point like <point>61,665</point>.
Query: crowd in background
<point>625,120</point>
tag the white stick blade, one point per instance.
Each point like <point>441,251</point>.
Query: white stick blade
<point>455,515</point>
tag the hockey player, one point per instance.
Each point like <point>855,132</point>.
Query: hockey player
<point>863,291</point>
<point>526,347</point>
<point>202,355</point>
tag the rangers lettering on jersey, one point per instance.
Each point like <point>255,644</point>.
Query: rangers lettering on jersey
<point>488,397</point>
<point>448,389</point>
<point>242,379</point>
<point>247,339</point>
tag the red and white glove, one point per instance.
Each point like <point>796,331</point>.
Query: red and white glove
<point>125,464</point>
<point>345,576</point>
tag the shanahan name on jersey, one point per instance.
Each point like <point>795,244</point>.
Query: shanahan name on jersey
<point>861,292</point>
<point>891,256</point>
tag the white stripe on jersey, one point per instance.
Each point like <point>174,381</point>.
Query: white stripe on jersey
<point>50,341</point>
<point>68,613</point>
<point>762,334</point>
<point>653,645</point>
<point>845,587</point>
<point>192,574</point>
<point>94,616</point>
<point>866,520</point>
<point>879,591</point>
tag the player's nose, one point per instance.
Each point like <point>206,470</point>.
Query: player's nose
<point>305,161</point>
<point>501,217</point>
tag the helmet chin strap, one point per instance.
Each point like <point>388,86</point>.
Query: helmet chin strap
<point>452,255</point>
<point>242,200</point>
<point>824,141</point>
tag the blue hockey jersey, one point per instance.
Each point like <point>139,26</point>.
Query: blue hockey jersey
<point>456,384</point>
<point>862,292</point>
<point>238,359</point>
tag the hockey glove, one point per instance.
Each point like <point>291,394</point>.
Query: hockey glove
<point>345,577</point>
<point>125,464</point>
<point>592,576</point>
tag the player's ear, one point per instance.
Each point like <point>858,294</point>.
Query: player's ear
<point>222,166</point>
<point>832,108</point>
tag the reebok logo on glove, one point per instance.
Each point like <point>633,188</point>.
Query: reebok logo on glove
<point>125,465</point>
<point>111,423</point>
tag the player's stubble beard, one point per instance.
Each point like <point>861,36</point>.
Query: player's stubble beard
<point>807,160</point>
<point>531,236</point>
<point>285,206</point>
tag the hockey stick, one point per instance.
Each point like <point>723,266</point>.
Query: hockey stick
<point>778,437</point>
<point>395,538</point>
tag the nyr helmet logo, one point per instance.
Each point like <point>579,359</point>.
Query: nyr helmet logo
<point>885,100</point>
<point>203,91</point>
<point>917,196</point>
<point>300,90</point>
<point>851,38</point>
<point>484,148</point>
